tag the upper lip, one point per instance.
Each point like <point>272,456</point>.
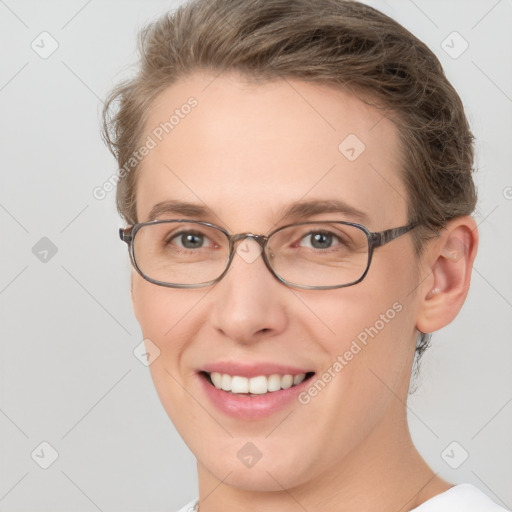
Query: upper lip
<point>252,369</point>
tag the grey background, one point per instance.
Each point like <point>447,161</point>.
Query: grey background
<point>68,375</point>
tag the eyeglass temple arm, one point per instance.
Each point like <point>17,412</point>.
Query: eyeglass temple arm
<point>125,234</point>
<point>384,237</point>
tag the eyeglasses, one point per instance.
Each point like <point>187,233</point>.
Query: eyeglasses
<point>309,255</point>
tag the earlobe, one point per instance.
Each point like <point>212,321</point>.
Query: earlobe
<point>451,260</point>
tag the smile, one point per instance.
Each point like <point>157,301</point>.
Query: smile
<point>258,385</point>
<point>252,390</point>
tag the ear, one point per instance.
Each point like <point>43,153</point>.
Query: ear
<point>449,262</point>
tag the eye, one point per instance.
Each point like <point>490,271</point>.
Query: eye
<point>320,240</point>
<point>189,240</point>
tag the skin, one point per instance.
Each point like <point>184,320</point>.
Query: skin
<point>247,151</point>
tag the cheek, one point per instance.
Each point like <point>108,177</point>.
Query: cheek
<point>166,317</point>
<point>361,313</point>
<point>366,343</point>
<point>369,358</point>
<point>371,330</point>
<point>169,318</point>
<point>159,309</point>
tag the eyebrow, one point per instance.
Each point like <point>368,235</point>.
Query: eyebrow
<point>298,210</point>
<point>175,207</point>
<point>316,207</point>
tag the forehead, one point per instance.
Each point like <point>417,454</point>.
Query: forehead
<point>247,150</point>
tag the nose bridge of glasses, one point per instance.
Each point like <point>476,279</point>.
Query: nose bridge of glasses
<point>260,239</point>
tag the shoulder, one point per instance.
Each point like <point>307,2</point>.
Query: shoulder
<point>189,507</point>
<point>460,498</point>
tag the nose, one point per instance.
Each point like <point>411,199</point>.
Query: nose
<point>249,302</point>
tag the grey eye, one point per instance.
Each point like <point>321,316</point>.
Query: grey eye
<point>319,240</point>
<point>189,240</point>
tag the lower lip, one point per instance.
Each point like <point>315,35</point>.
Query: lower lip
<point>251,407</point>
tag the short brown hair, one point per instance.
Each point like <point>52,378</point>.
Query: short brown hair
<point>338,42</point>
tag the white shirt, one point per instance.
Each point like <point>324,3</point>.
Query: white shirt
<point>460,498</point>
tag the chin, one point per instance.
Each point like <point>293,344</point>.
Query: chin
<point>238,465</point>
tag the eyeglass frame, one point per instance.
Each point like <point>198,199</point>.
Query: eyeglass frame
<point>375,240</point>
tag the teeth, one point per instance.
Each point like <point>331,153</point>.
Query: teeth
<point>226,382</point>
<point>239,384</point>
<point>274,382</point>
<point>287,381</point>
<point>255,385</point>
<point>298,378</point>
<point>216,379</point>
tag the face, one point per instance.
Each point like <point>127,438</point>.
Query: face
<point>244,154</point>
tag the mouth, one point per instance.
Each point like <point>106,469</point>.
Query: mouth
<point>254,386</point>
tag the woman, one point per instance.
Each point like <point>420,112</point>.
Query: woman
<point>296,180</point>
